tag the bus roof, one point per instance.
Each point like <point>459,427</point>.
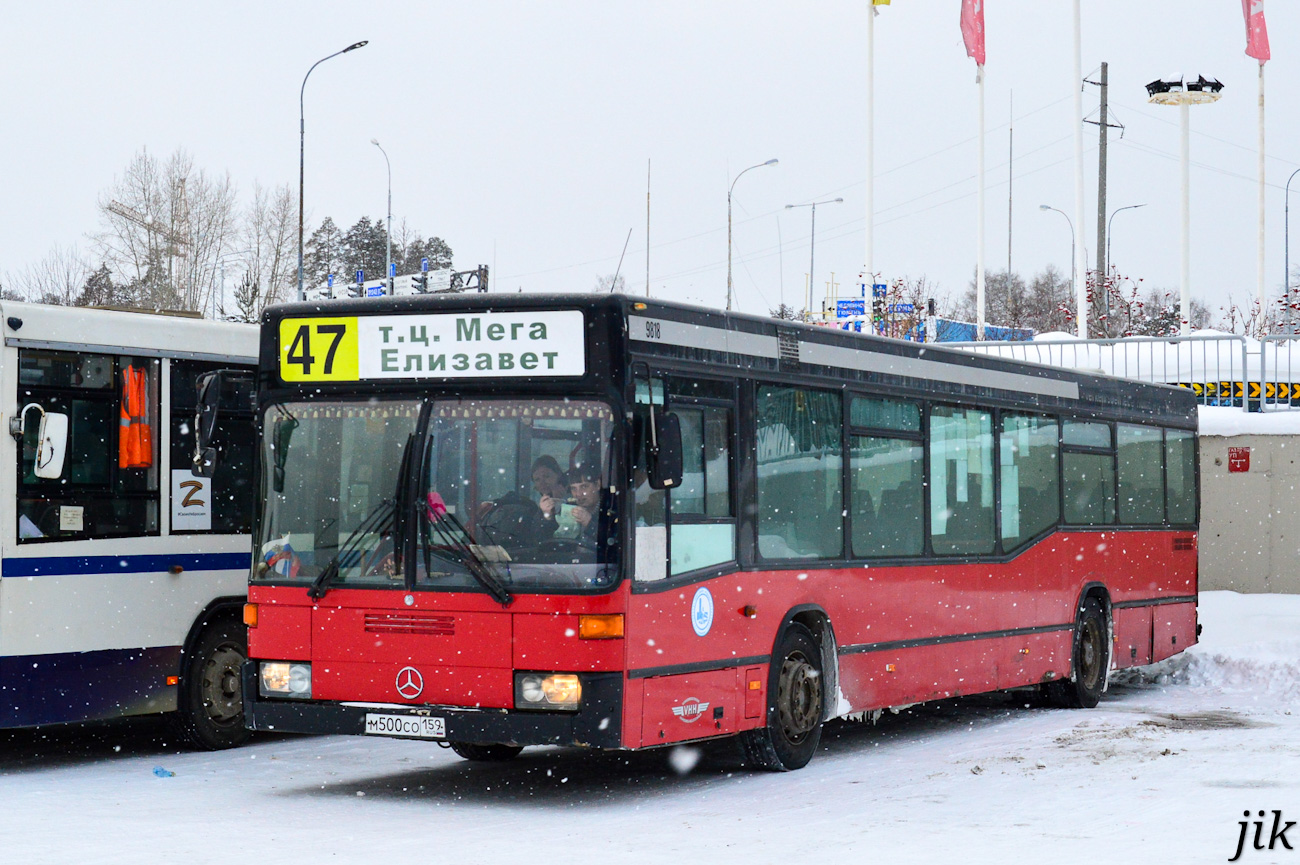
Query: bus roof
<point>39,325</point>
<point>693,335</point>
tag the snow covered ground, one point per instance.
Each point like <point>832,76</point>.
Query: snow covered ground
<point>1160,772</point>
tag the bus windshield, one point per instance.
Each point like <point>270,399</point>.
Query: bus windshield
<point>332,472</point>
<point>526,486</point>
<point>511,494</point>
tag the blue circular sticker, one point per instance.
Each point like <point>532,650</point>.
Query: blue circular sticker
<point>702,611</point>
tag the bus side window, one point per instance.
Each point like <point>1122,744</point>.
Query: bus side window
<point>1029,457</point>
<point>886,476</point>
<point>1141,475</point>
<point>702,531</point>
<point>1088,466</point>
<point>799,444</point>
<point>229,494</point>
<point>961,481</point>
<point>1180,474</point>
<point>109,486</point>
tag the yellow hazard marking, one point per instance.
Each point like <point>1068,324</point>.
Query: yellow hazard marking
<point>319,349</point>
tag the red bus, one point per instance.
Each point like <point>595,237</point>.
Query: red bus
<point>574,520</point>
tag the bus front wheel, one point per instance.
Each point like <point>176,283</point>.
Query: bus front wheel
<point>796,701</point>
<point>211,704</point>
<point>1089,662</point>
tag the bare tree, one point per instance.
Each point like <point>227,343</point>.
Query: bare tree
<point>269,246</point>
<point>57,278</point>
<point>164,228</point>
<point>610,283</point>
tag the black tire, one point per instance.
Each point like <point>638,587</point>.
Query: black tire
<point>211,702</point>
<point>486,753</point>
<point>1088,663</point>
<point>796,703</point>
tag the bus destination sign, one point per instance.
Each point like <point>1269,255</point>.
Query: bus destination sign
<point>454,345</point>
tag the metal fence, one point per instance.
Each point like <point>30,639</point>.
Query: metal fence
<point>1223,369</point>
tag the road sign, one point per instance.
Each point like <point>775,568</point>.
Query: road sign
<point>329,280</point>
<point>902,308</point>
<point>879,289</point>
<point>846,308</point>
<point>392,269</point>
<point>361,277</point>
<point>424,265</point>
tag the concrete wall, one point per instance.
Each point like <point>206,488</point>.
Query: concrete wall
<point>1250,521</point>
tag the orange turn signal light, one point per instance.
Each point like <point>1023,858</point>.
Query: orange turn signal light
<point>609,627</point>
<point>173,680</point>
<point>250,615</point>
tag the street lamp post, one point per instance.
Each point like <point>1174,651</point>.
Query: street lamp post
<point>812,246</point>
<point>302,138</point>
<point>1073,288</point>
<point>1286,252</point>
<point>389,288</point>
<point>1110,236</point>
<point>729,189</point>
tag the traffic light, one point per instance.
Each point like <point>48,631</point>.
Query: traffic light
<point>420,283</point>
<point>878,309</point>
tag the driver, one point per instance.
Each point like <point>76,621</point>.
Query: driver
<point>585,490</point>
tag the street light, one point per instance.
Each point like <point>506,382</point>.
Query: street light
<point>729,189</point>
<point>812,246</point>
<point>389,288</point>
<point>1110,237</point>
<point>1286,250</point>
<point>302,137</point>
<point>1067,219</point>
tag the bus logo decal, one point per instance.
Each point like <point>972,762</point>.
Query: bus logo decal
<point>409,682</point>
<point>702,611</point>
<point>691,710</point>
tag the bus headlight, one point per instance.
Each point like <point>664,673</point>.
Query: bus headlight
<point>562,691</point>
<point>284,679</point>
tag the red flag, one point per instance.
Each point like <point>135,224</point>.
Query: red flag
<point>1256,31</point>
<point>972,28</point>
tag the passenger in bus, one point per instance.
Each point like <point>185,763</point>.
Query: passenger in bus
<point>588,510</point>
<point>549,482</point>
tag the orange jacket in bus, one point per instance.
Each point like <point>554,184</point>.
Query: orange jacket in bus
<point>135,439</point>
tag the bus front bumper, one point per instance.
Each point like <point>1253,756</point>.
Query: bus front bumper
<point>597,722</point>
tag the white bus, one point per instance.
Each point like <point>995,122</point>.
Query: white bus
<point>122,574</point>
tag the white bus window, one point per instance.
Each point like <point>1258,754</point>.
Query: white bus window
<point>109,486</point>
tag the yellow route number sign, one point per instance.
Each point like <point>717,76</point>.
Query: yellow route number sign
<point>319,349</point>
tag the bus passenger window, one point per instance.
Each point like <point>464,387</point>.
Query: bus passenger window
<point>1180,462</point>
<point>888,496</point>
<point>800,464</point>
<point>1141,475</point>
<point>109,486</point>
<point>1031,487</point>
<point>702,532</point>
<point>231,488</point>
<point>961,481</point>
<point>1088,466</point>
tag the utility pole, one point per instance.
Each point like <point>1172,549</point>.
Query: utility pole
<point>1102,123</point>
<point>1011,175</point>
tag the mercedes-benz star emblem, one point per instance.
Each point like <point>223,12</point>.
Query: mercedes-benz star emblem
<point>409,682</point>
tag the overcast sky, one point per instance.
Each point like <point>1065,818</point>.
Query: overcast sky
<point>520,131</point>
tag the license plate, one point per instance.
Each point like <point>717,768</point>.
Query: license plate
<point>406,725</point>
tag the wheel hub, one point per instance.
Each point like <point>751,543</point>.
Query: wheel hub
<point>799,697</point>
<point>220,686</point>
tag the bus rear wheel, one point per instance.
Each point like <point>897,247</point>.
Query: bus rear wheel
<point>796,701</point>
<point>1090,660</point>
<point>211,703</point>
<point>486,753</point>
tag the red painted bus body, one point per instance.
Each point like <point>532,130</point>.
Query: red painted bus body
<point>889,633</point>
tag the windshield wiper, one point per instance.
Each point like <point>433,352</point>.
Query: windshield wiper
<point>380,518</point>
<point>436,515</point>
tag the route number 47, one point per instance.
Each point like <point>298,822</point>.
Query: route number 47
<point>318,349</point>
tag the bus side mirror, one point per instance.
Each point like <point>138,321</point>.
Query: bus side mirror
<point>204,462</point>
<point>53,445</point>
<point>664,467</point>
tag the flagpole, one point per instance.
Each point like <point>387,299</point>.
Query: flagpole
<point>980,297</point>
<point>1259,252</point>
<point>1080,275</point>
<point>869,277</point>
